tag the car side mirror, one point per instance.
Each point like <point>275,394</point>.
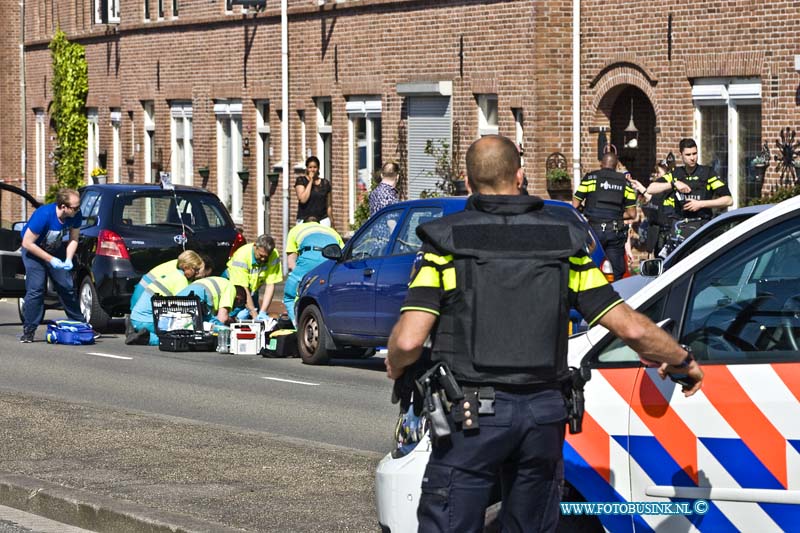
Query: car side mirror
<point>652,268</point>
<point>332,251</point>
<point>18,226</point>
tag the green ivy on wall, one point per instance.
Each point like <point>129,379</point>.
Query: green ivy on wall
<point>68,111</point>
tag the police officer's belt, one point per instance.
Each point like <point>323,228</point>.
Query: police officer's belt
<point>513,389</point>
<point>616,225</point>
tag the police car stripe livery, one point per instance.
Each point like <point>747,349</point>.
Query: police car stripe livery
<point>739,434</point>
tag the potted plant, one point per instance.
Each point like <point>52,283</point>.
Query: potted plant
<point>99,175</point>
<point>244,176</point>
<point>460,184</point>
<point>558,179</point>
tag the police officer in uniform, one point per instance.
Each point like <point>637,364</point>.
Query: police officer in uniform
<point>692,190</point>
<point>608,201</point>
<point>493,289</point>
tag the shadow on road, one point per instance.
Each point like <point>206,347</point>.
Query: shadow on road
<point>373,363</point>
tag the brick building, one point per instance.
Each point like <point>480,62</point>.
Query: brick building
<point>194,87</point>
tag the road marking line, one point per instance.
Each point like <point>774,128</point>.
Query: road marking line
<point>109,355</point>
<point>292,381</point>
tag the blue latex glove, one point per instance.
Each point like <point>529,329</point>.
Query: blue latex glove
<point>66,264</point>
<point>263,316</point>
<point>244,314</point>
<point>55,262</point>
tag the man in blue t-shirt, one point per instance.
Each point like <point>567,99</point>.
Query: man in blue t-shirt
<point>44,254</point>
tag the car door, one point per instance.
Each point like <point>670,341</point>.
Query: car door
<point>12,271</point>
<point>352,281</point>
<point>596,460</point>
<point>736,443</point>
<point>393,276</point>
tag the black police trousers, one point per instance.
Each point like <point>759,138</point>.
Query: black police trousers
<point>613,243</point>
<point>520,445</point>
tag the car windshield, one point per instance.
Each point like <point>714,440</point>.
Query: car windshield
<point>161,209</point>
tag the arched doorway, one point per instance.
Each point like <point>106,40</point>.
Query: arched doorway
<point>616,106</point>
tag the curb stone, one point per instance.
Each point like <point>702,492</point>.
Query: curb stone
<point>94,512</point>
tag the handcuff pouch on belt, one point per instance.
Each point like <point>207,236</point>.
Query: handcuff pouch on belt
<point>573,393</point>
<point>443,395</point>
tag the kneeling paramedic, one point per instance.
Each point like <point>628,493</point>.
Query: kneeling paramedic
<point>304,247</point>
<point>252,266</point>
<point>493,287</point>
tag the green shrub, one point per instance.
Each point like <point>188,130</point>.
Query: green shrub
<point>779,195</point>
<point>68,112</point>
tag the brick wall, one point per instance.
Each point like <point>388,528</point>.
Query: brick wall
<point>10,120</point>
<point>520,49</point>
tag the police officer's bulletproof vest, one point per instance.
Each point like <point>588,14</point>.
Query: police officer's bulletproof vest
<point>698,181</point>
<point>608,196</point>
<point>506,322</point>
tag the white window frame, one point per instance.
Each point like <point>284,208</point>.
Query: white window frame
<point>262,160</point>
<point>301,114</point>
<point>41,153</point>
<point>116,146</point>
<point>323,128</point>
<point>181,125</point>
<point>92,139</point>
<point>149,127</point>
<point>370,108</point>
<point>228,182</point>
<point>485,103</point>
<point>109,15</point>
<point>519,130</point>
<point>728,92</point>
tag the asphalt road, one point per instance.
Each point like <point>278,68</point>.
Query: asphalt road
<point>345,404</point>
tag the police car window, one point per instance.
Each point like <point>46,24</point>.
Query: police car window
<point>374,240</point>
<point>617,351</point>
<point>407,241</point>
<point>745,305</point>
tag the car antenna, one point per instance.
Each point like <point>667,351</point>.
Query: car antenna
<point>166,184</point>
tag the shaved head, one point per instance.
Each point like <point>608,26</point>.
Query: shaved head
<point>610,160</point>
<point>492,165</point>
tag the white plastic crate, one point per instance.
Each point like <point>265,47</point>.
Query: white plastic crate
<point>247,338</point>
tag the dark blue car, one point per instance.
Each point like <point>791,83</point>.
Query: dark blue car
<point>348,306</point>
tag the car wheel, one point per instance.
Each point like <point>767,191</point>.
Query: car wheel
<point>20,304</point>
<point>310,333</point>
<point>90,305</point>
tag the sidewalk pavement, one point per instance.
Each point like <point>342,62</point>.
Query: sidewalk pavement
<point>119,471</point>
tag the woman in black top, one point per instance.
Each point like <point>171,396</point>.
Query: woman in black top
<point>314,195</point>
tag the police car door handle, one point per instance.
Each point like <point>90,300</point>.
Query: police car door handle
<point>368,272</point>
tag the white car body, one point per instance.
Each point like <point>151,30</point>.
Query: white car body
<point>735,444</point>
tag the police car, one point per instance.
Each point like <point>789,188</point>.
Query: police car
<point>735,444</point>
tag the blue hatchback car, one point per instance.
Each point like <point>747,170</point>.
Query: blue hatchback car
<point>348,306</point>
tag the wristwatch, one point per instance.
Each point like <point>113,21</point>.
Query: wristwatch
<point>689,356</point>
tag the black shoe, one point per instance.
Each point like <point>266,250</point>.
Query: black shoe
<point>129,329</point>
<point>26,337</point>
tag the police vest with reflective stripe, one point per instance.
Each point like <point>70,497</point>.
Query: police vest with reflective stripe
<point>608,195</point>
<point>506,321</point>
